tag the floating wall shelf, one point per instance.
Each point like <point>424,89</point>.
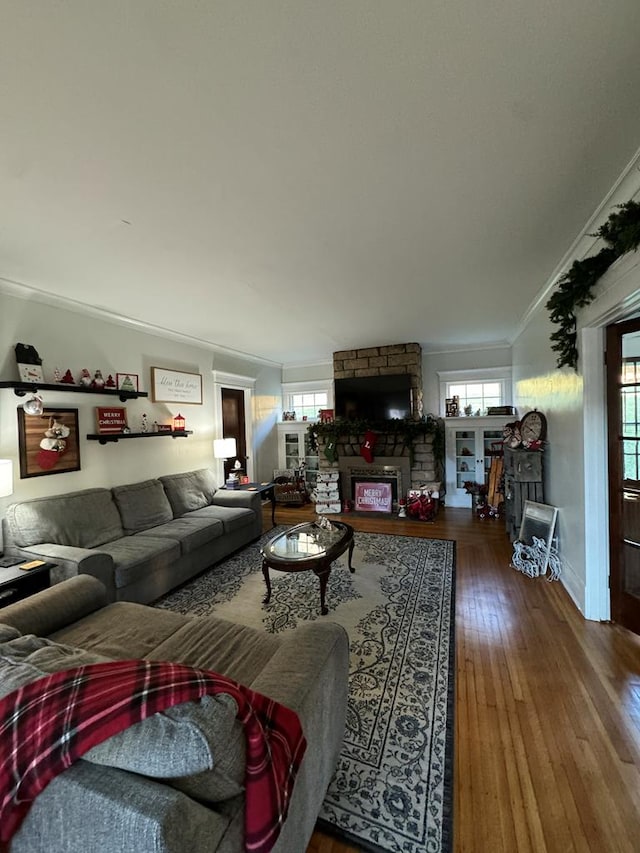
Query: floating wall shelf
<point>22,388</point>
<point>116,436</point>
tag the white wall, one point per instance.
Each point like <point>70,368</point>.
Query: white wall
<point>576,453</point>
<point>65,339</point>
<point>539,384</point>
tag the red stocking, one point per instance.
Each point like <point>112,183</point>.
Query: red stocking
<point>366,451</point>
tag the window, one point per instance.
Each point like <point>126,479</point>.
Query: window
<point>477,389</point>
<point>478,395</point>
<point>631,418</point>
<point>305,399</point>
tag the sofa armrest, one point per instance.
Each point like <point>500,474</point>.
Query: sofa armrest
<point>247,500</point>
<point>51,609</point>
<point>72,561</point>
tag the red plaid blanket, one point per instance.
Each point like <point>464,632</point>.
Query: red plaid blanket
<point>48,724</point>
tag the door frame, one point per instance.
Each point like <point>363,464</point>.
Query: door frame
<point>619,299</point>
<point>238,382</point>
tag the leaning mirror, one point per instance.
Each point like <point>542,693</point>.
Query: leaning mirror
<point>533,550</point>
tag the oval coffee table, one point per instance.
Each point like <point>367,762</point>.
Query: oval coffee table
<point>307,546</point>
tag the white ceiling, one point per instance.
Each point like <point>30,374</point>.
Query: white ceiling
<point>288,178</point>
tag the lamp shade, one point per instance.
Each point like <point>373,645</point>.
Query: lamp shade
<point>224,448</point>
<point>6,477</point>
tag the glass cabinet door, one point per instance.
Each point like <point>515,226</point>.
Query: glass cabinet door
<point>465,457</point>
<point>492,444</point>
<point>292,450</point>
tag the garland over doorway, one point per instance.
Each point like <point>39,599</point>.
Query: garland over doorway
<point>621,233</point>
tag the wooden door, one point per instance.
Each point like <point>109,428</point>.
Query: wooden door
<point>233,426</point>
<point>623,409</point>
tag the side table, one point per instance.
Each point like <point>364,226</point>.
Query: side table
<point>265,489</point>
<point>16,583</point>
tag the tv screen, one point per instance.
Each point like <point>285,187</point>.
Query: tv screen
<point>373,397</point>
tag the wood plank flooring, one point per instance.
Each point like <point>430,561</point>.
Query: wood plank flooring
<point>547,746</point>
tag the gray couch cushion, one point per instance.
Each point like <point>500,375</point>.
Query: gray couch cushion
<point>82,519</point>
<point>201,739</point>
<point>191,533</point>
<point>142,505</point>
<point>190,490</point>
<point>136,556</point>
<point>239,652</point>
<point>26,658</point>
<point>233,518</point>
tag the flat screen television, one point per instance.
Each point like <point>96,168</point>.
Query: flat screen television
<point>373,397</point>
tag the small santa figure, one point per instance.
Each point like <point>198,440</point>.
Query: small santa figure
<point>98,381</point>
<point>85,378</point>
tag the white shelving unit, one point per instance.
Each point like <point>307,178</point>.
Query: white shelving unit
<point>469,442</point>
<point>293,449</point>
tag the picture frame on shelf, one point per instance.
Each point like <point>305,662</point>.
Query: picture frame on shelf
<point>111,419</point>
<point>127,382</point>
<point>175,386</point>
<point>48,443</point>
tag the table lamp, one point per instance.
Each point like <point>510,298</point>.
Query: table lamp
<point>225,448</point>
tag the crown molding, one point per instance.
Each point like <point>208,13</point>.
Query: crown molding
<point>626,188</point>
<point>33,294</point>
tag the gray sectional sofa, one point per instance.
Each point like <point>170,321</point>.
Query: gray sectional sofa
<point>140,540</point>
<point>174,782</point>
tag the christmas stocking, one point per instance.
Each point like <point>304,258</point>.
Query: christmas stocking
<point>331,451</point>
<point>369,443</point>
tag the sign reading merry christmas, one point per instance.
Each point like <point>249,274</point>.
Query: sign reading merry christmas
<point>373,497</point>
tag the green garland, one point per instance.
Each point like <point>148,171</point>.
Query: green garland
<point>406,430</point>
<point>621,232</point>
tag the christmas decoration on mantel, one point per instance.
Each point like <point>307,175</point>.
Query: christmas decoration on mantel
<point>406,432</point>
<point>621,233</point>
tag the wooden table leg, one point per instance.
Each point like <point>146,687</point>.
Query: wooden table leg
<point>351,547</point>
<point>267,580</point>
<point>272,497</point>
<point>323,573</point>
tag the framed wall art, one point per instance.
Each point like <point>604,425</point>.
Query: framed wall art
<point>175,386</point>
<point>127,381</point>
<point>48,443</point>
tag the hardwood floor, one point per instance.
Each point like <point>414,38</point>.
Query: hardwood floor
<point>547,746</point>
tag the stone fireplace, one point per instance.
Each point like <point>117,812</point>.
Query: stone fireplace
<point>392,460</point>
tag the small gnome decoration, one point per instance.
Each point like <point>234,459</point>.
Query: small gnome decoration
<point>98,381</point>
<point>85,378</point>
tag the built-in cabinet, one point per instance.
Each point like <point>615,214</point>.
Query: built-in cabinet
<point>470,445</point>
<point>294,448</point>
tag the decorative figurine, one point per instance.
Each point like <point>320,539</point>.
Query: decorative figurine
<point>144,426</point>
<point>57,376</point>
<point>402,508</point>
<point>98,381</point>
<point>85,378</point>
<point>111,382</point>
<point>68,379</point>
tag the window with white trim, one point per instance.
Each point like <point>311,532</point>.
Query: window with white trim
<point>476,389</point>
<point>306,399</point>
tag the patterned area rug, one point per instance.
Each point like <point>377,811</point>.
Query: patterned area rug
<point>392,789</point>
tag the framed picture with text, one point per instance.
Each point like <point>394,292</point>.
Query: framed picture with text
<point>175,386</point>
